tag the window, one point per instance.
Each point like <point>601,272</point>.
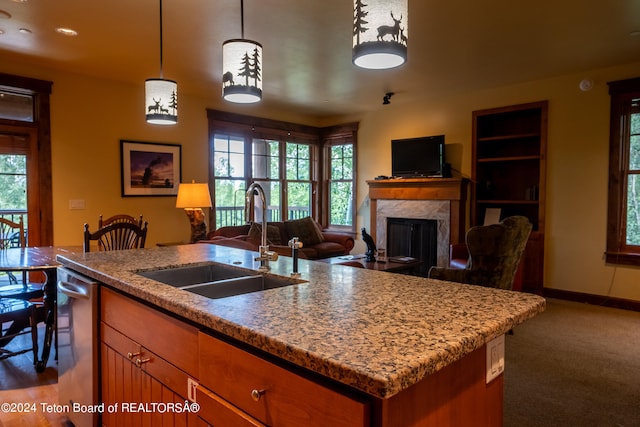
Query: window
<point>623,231</point>
<point>340,172</point>
<point>266,171</point>
<point>299,186</point>
<point>229,181</point>
<point>286,159</point>
<point>341,185</point>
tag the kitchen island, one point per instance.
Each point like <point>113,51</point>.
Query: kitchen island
<point>400,347</point>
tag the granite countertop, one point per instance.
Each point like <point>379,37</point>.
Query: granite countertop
<point>375,331</point>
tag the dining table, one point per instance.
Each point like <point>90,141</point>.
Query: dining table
<point>43,259</point>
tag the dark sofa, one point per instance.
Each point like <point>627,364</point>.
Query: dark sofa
<point>317,243</point>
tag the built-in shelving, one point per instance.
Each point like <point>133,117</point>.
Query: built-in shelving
<point>508,173</point>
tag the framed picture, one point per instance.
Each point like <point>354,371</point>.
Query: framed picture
<point>150,169</point>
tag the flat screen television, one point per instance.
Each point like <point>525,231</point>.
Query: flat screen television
<point>418,157</point>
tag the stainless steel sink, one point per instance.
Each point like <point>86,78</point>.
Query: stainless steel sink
<point>236,286</point>
<point>189,275</point>
<point>217,281</point>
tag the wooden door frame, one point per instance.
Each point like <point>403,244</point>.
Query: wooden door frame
<point>40,188</point>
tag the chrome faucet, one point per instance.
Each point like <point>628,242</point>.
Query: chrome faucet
<point>265,255</point>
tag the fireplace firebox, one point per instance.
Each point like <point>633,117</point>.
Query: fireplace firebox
<point>417,238</point>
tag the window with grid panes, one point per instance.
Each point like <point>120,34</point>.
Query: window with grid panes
<point>341,185</point>
<point>229,179</point>
<point>284,159</point>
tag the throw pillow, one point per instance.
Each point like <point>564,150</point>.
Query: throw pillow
<point>273,233</point>
<point>306,229</point>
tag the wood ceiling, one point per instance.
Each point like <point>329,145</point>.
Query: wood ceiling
<point>454,46</point>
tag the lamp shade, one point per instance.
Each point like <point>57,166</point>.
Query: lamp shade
<point>193,195</point>
<point>242,71</point>
<point>380,33</point>
<point>161,101</point>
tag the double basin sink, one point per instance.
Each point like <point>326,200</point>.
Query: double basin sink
<point>217,280</point>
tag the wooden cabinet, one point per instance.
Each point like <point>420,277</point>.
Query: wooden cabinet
<point>272,394</point>
<point>147,359</point>
<point>509,173</point>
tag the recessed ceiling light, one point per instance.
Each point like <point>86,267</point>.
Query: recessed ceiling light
<point>25,31</point>
<point>19,1</point>
<point>5,14</point>
<point>67,31</point>
<point>1,32</point>
<point>634,33</point>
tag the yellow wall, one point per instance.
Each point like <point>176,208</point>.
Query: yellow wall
<point>577,167</point>
<point>90,116</point>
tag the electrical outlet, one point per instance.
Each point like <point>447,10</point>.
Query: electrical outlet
<point>77,204</point>
<point>495,358</point>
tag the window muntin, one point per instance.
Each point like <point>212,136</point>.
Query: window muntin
<point>266,159</point>
<point>228,156</point>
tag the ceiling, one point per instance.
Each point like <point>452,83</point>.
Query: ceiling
<point>454,46</point>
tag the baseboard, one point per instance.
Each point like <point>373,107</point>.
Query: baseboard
<point>605,301</point>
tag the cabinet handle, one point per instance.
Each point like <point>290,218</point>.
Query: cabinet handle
<point>140,362</point>
<point>257,394</point>
<point>130,355</point>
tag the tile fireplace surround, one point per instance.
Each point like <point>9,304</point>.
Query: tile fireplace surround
<point>440,199</point>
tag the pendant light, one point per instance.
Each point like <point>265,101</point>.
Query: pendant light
<point>380,33</point>
<point>242,68</point>
<point>161,95</point>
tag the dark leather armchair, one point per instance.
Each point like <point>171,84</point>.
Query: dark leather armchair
<point>494,254</point>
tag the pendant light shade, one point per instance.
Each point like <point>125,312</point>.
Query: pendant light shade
<point>380,33</point>
<point>242,71</point>
<point>161,95</point>
<point>242,68</point>
<point>162,101</point>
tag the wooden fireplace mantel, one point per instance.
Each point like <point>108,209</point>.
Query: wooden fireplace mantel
<point>452,189</point>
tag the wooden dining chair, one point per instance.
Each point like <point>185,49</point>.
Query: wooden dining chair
<point>19,317</point>
<point>21,301</point>
<point>119,218</point>
<point>13,235</point>
<point>116,236</point>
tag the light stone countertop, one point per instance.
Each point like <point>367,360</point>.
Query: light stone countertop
<point>375,331</point>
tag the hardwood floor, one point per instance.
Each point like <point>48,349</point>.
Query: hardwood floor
<point>20,384</point>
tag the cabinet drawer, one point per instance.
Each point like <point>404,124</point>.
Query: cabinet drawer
<point>167,337</point>
<point>220,413</point>
<point>286,399</point>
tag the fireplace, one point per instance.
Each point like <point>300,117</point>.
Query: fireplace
<point>417,238</point>
<point>441,200</point>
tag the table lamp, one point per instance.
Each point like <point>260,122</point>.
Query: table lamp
<point>192,198</point>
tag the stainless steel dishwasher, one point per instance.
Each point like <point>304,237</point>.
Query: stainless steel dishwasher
<point>78,346</point>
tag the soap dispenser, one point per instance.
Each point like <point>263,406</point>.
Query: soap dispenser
<point>295,244</point>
